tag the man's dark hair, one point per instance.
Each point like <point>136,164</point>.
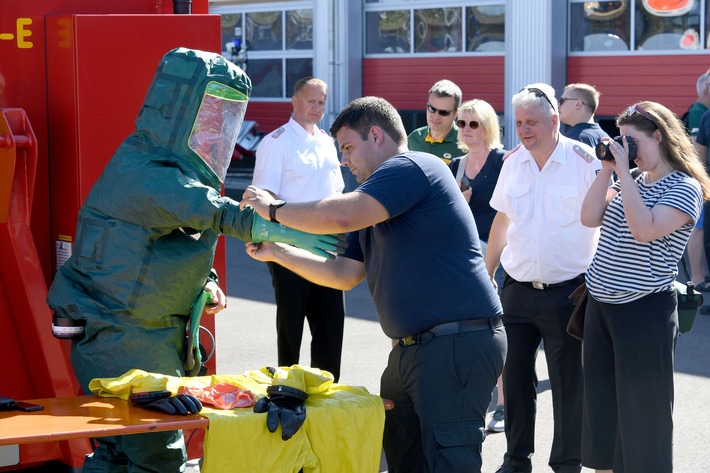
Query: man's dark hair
<point>363,113</point>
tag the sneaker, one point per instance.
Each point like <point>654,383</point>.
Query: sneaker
<point>703,286</point>
<point>497,422</point>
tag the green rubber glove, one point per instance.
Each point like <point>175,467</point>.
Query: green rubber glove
<point>322,245</point>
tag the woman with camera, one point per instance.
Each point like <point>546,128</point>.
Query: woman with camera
<point>631,319</point>
<point>477,173</point>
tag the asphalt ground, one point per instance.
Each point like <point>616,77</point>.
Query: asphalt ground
<point>246,340</point>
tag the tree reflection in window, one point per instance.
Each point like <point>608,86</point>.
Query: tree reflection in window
<point>437,30</point>
<point>264,31</point>
<point>388,32</point>
<point>299,29</point>
<point>485,28</point>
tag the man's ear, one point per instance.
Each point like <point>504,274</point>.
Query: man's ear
<point>376,133</point>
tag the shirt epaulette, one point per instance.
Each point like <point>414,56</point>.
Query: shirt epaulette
<point>278,132</point>
<point>583,153</point>
<point>511,151</point>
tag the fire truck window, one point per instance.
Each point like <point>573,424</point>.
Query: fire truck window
<point>485,28</point>
<point>388,32</point>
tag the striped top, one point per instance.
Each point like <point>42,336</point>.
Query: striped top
<point>624,269</point>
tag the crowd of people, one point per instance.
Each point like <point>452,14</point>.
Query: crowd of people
<point>523,229</point>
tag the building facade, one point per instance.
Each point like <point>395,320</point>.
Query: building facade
<point>630,50</point>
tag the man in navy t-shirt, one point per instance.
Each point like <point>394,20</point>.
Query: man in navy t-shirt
<point>414,238</point>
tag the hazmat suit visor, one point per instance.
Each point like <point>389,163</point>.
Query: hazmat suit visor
<point>216,128</point>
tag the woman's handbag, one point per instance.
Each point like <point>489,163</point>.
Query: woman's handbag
<point>575,325</point>
<point>689,300</point>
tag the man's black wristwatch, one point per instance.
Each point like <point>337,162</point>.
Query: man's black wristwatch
<point>272,209</point>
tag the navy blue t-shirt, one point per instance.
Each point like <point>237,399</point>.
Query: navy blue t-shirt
<point>424,264</point>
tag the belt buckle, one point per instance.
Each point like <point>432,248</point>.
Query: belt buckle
<point>538,285</point>
<point>408,340</point>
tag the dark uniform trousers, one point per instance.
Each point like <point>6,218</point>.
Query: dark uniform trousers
<point>441,391</point>
<point>628,370</point>
<point>530,316</point>
<point>298,299</point>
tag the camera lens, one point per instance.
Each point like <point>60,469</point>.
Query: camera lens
<point>603,153</point>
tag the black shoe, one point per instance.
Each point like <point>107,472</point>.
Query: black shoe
<point>705,310</point>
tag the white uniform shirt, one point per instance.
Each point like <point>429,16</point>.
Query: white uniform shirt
<point>298,166</point>
<point>546,239</point>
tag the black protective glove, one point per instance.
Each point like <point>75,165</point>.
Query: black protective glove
<point>182,404</point>
<point>285,405</point>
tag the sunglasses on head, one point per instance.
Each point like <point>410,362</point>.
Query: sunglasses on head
<point>539,94</point>
<point>636,108</point>
<point>473,124</point>
<point>443,113</point>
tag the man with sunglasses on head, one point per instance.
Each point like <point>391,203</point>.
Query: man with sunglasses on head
<point>538,238</point>
<point>439,136</point>
<point>577,106</point>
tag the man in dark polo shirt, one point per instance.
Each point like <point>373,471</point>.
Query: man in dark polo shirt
<point>435,299</point>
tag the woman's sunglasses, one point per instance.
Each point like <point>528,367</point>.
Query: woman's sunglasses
<point>473,124</point>
<point>443,113</point>
<point>636,108</point>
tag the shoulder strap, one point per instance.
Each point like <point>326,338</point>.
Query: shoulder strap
<point>461,169</point>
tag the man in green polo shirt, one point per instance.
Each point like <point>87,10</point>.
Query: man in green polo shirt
<point>440,135</point>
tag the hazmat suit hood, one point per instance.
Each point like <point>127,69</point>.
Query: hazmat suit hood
<point>193,112</point>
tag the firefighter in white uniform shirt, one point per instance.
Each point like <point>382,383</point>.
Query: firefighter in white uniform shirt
<point>298,162</point>
<point>539,239</point>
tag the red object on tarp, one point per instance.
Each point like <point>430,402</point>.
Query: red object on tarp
<point>221,395</point>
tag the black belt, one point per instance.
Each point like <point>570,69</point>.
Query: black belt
<point>451,328</point>
<point>542,286</point>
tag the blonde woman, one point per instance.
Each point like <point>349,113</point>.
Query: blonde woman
<point>477,171</point>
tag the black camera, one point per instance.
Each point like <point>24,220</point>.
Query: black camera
<point>604,154</point>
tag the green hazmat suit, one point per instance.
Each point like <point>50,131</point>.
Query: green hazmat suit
<point>146,239</point>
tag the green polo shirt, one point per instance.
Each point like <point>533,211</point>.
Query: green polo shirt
<point>447,149</point>
<point>696,111</point>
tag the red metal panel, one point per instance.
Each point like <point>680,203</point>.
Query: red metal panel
<point>269,115</point>
<point>624,80</point>
<point>405,82</point>
<point>38,367</point>
<point>96,90</point>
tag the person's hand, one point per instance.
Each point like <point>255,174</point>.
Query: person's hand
<point>621,155</point>
<point>259,199</point>
<point>261,251</point>
<point>219,299</point>
<point>495,284</point>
